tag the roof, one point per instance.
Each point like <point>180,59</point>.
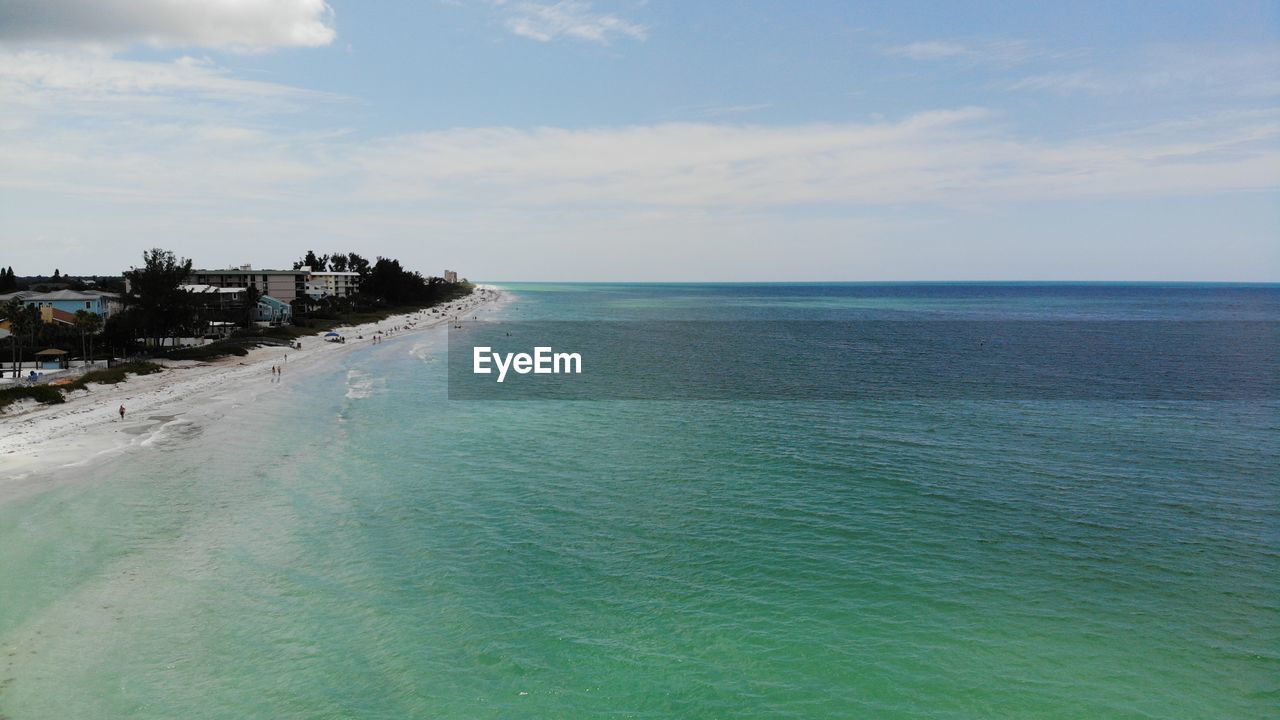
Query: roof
<point>51,351</point>
<point>74,295</point>
<point>33,296</point>
<point>273,302</point>
<point>238,271</point>
<point>212,289</point>
<point>60,316</point>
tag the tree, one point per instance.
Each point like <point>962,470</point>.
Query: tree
<point>10,311</point>
<point>23,322</point>
<point>57,273</point>
<point>251,298</point>
<point>311,260</point>
<point>357,264</point>
<point>161,308</point>
<point>88,323</point>
<point>338,262</point>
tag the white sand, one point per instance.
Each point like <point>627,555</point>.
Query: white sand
<point>37,439</point>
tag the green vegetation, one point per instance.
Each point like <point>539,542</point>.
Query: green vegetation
<point>112,375</point>
<point>239,346</point>
<point>24,324</point>
<point>156,306</point>
<point>321,322</point>
<point>383,282</point>
<point>51,394</point>
<point>44,394</point>
<point>157,310</point>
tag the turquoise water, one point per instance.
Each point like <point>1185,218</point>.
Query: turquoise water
<point>356,545</point>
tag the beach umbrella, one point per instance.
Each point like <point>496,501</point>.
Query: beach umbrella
<point>332,334</point>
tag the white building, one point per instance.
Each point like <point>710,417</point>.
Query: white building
<point>332,284</point>
<point>451,276</point>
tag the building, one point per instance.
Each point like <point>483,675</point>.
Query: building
<point>283,285</point>
<point>273,311</point>
<point>58,305</point>
<point>451,276</point>
<point>332,284</point>
<point>231,300</point>
<point>217,298</point>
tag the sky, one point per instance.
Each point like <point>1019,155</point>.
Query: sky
<point>647,140</point>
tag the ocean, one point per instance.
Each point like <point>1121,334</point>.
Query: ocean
<point>355,544</point>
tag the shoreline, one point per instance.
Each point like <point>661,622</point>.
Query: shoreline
<point>37,441</point>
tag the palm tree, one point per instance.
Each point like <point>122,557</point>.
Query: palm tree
<point>251,298</point>
<point>11,311</point>
<point>23,320</point>
<point>90,324</point>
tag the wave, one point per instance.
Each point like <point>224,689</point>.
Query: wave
<point>361,384</point>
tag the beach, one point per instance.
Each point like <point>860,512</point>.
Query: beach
<point>37,439</point>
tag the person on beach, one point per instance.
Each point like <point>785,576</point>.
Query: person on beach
<point>121,412</point>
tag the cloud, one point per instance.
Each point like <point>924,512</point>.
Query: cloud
<point>1003,52</point>
<point>41,88</point>
<point>102,154</point>
<point>238,25</point>
<point>1243,72</point>
<point>950,156</point>
<point>930,50</point>
<point>577,19</point>
<point>131,132</point>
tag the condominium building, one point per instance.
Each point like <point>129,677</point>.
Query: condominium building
<point>332,284</point>
<point>283,285</point>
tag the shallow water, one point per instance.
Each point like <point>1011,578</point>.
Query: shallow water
<point>356,545</point>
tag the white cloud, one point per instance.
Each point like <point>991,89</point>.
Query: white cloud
<point>1243,72</point>
<point>42,88</point>
<point>930,50</point>
<point>110,155</point>
<point>1002,52</point>
<point>240,25</point>
<point>545,22</point>
<point>146,141</point>
<point>955,156</point>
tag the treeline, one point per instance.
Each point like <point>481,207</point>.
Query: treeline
<point>384,281</point>
<point>11,282</point>
<point>156,308</point>
<point>27,332</point>
<point>336,262</point>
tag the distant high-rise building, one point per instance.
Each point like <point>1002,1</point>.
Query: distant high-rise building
<point>450,276</point>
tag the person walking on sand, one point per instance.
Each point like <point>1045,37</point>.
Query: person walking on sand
<point>121,413</point>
